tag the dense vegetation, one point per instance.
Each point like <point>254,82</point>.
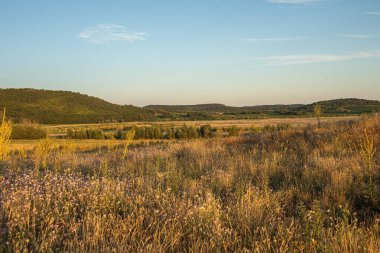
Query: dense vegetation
<point>290,190</point>
<point>96,134</point>
<point>63,107</point>
<point>349,106</point>
<point>28,132</point>
<point>154,132</point>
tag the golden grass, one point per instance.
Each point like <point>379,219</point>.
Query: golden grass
<point>297,190</point>
<point>5,133</point>
<point>213,123</point>
<point>76,144</point>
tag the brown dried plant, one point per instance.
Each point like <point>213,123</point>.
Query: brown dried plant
<point>5,134</point>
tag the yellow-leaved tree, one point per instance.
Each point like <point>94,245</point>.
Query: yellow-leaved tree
<point>5,135</point>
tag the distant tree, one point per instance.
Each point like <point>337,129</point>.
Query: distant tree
<point>157,133</point>
<point>318,113</point>
<point>140,132</point>
<point>232,131</point>
<point>169,133</point>
<point>94,134</point>
<point>206,131</point>
<point>192,133</point>
<point>70,134</point>
<point>149,133</point>
<point>179,134</point>
<point>118,135</point>
<point>28,132</point>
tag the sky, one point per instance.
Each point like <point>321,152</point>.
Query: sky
<point>235,52</point>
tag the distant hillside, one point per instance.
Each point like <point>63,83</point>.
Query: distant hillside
<point>217,108</point>
<point>64,107</point>
<point>190,108</point>
<point>57,107</point>
<point>347,106</point>
<point>330,107</point>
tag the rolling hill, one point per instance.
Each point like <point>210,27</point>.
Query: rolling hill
<point>58,107</point>
<point>330,107</point>
<point>65,107</point>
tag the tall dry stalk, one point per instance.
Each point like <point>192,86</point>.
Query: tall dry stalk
<point>128,141</point>
<point>5,134</point>
<point>367,149</point>
<point>43,150</point>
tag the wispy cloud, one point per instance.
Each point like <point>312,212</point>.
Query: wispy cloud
<point>357,36</point>
<point>376,13</point>
<point>104,33</point>
<point>316,58</point>
<point>293,1</point>
<point>275,39</point>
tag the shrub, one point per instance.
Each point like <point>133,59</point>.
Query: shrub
<point>96,134</point>
<point>43,150</point>
<point>28,132</point>
<point>207,131</point>
<point>232,131</point>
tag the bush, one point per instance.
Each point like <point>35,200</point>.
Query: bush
<point>28,132</point>
<point>96,134</point>
<point>232,131</point>
<point>207,131</point>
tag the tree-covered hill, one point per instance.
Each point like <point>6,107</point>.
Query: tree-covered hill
<point>346,106</point>
<point>65,107</point>
<point>58,107</point>
<point>350,106</point>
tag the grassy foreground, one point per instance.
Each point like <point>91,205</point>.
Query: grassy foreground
<point>300,190</point>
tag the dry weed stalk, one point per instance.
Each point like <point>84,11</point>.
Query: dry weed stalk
<point>128,141</point>
<point>5,134</point>
<point>43,150</point>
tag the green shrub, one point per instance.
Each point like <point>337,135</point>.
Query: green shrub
<point>232,131</point>
<point>96,134</point>
<point>28,132</point>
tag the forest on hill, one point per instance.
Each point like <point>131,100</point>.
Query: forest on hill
<point>65,107</point>
<point>336,107</point>
<point>58,107</point>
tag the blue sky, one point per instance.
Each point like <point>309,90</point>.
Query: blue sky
<point>236,52</point>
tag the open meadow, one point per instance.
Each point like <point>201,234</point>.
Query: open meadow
<point>58,133</point>
<point>302,188</point>
<point>295,121</point>
<point>190,126</point>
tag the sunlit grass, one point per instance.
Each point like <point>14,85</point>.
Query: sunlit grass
<point>293,190</point>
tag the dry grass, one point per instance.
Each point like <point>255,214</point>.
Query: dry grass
<point>76,144</point>
<point>5,133</point>
<point>299,190</point>
<point>213,123</point>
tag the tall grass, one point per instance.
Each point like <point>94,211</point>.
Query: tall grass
<point>296,190</point>
<point>128,141</point>
<point>5,133</point>
<point>28,132</point>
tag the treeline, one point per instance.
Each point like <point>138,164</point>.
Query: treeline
<point>184,132</point>
<point>155,132</point>
<point>165,132</point>
<point>96,134</point>
<point>34,131</point>
<point>66,108</point>
<point>28,132</point>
